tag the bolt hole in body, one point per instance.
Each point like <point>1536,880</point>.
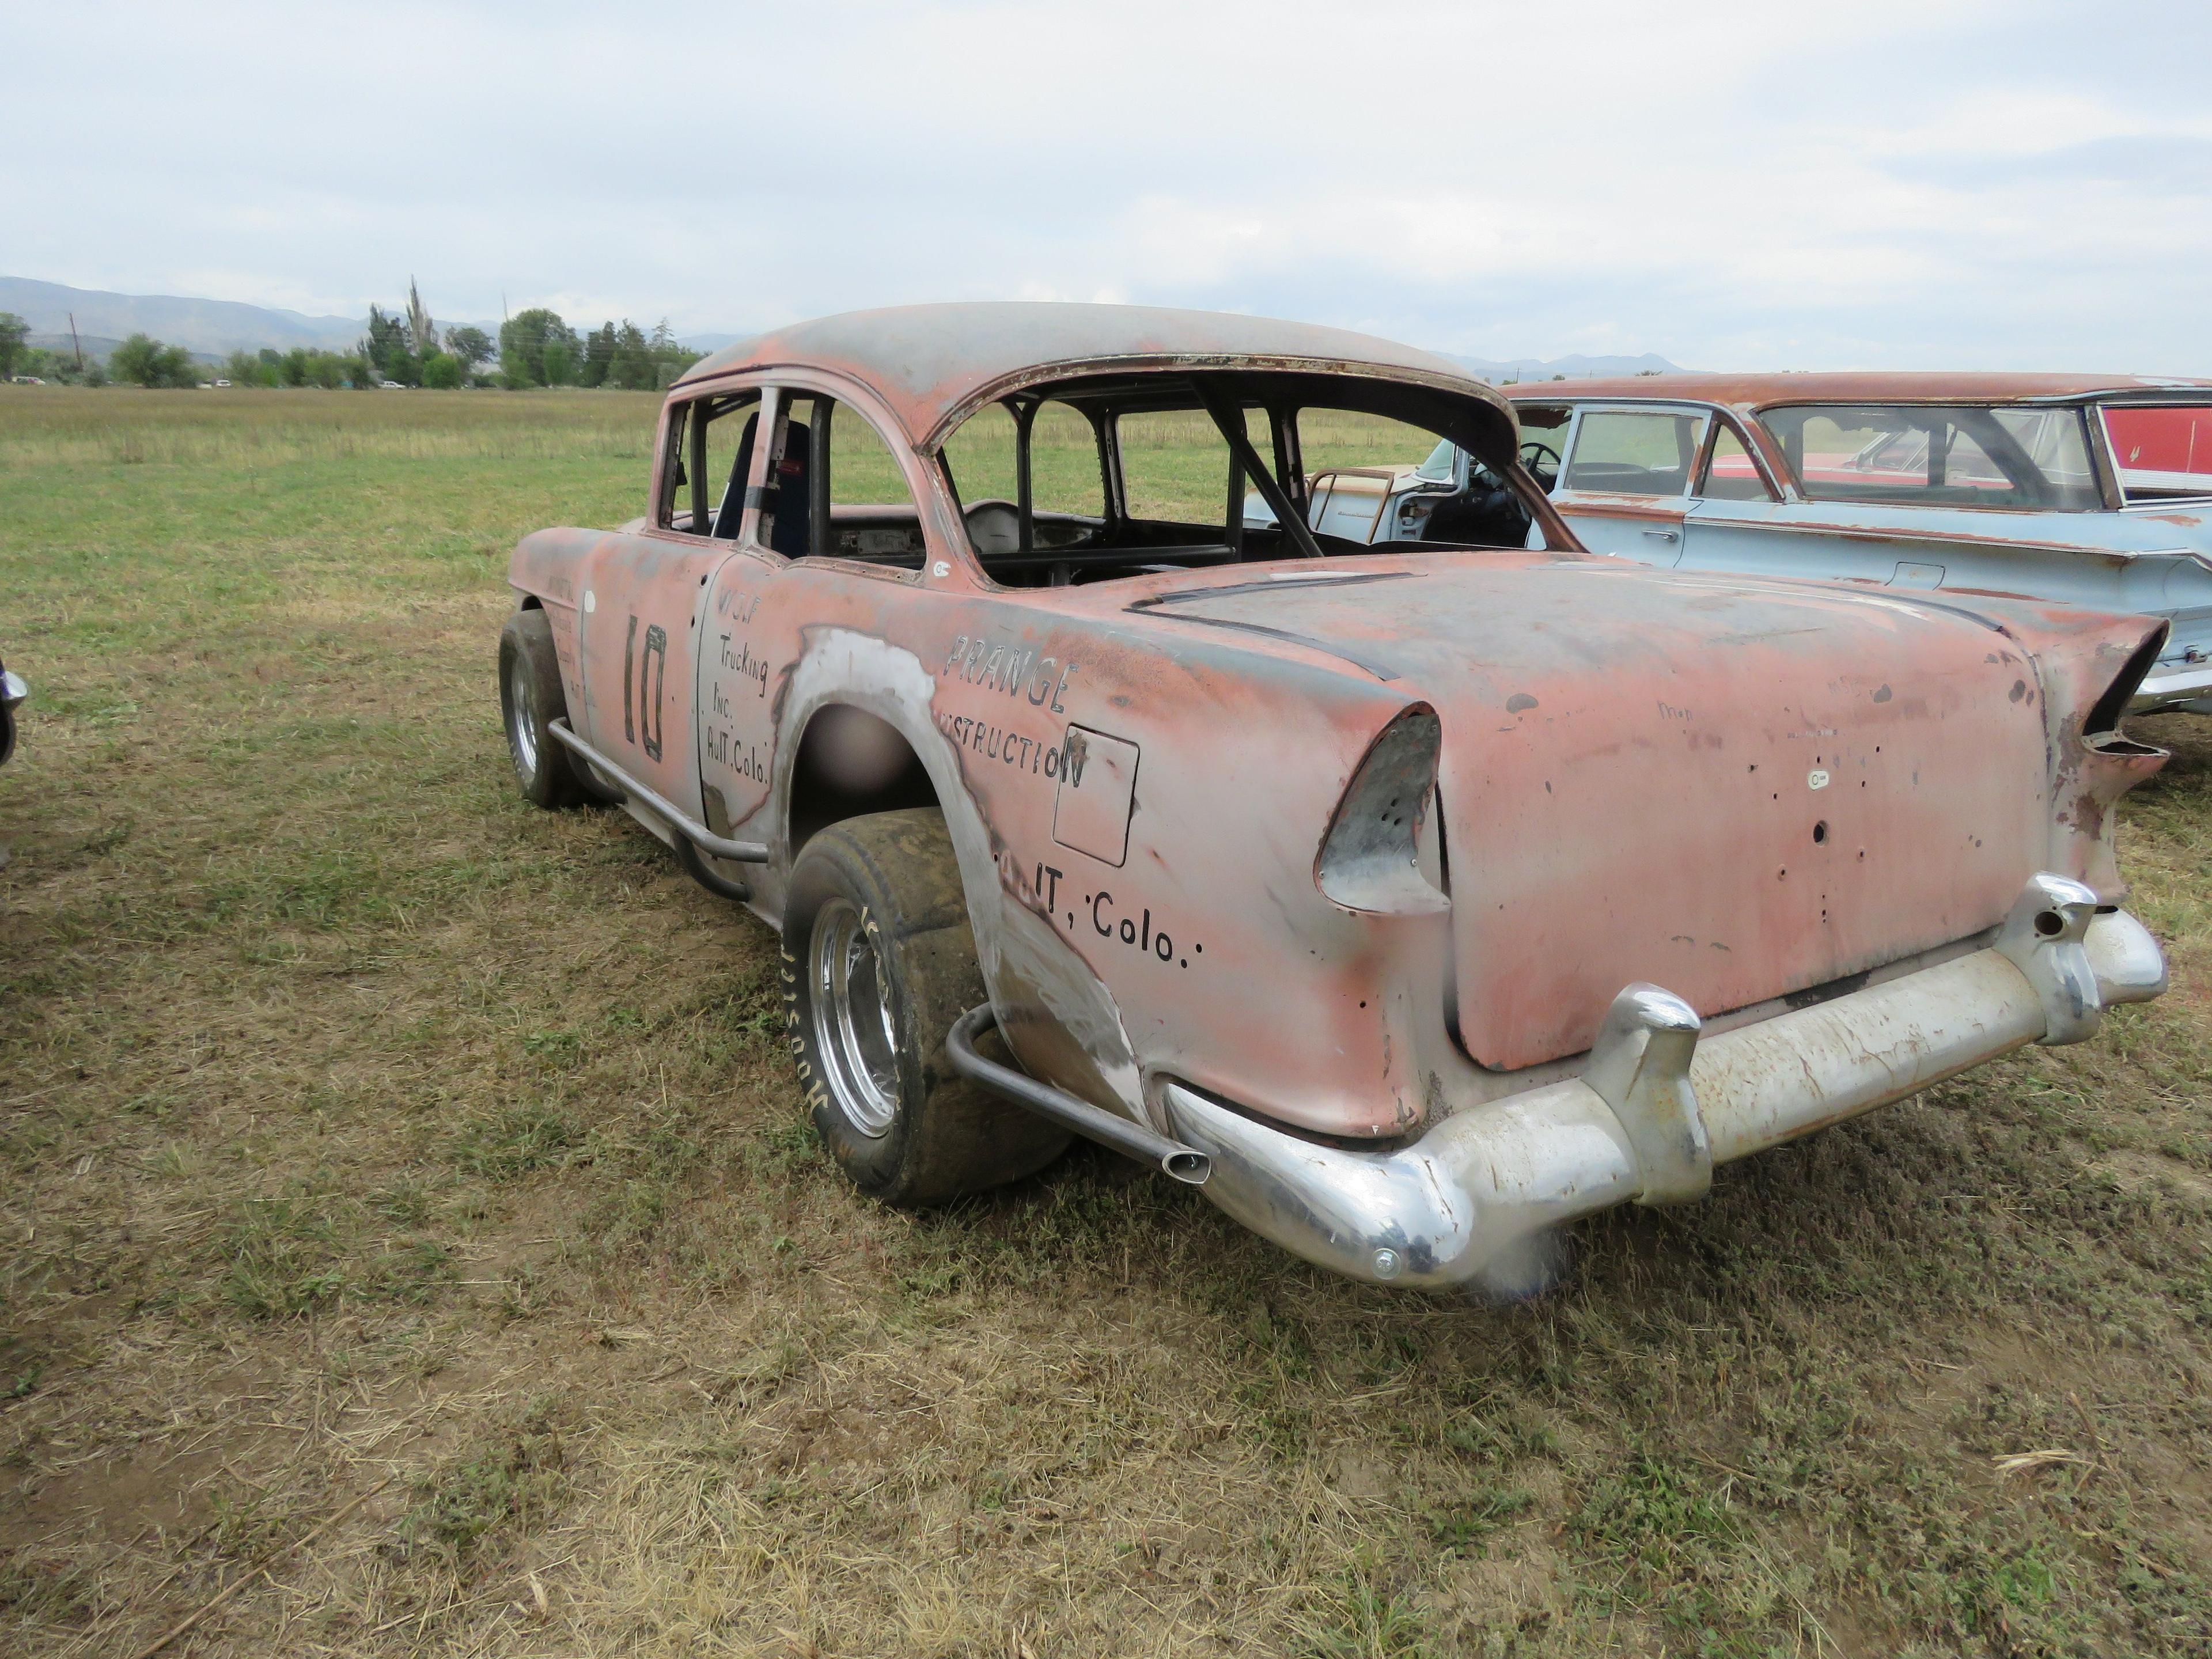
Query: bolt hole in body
<point>853,1029</point>
<point>2050,923</point>
<point>1820,833</point>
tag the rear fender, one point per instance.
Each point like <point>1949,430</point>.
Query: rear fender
<point>2087,666</point>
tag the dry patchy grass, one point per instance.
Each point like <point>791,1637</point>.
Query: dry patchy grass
<point>359,1124</point>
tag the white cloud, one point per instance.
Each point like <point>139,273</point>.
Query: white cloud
<point>1934,182</point>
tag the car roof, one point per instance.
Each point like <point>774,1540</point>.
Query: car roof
<point>934,364</point>
<point>1859,386</point>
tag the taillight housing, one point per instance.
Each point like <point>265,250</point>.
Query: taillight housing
<point>1370,859</point>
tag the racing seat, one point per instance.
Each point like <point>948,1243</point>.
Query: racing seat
<point>789,495</point>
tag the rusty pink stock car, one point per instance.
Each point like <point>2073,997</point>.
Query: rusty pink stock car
<point>1410,899</point>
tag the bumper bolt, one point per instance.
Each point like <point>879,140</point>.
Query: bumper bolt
<point>1388,1264</point>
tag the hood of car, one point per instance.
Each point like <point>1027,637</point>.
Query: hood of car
<point>1736,789</point>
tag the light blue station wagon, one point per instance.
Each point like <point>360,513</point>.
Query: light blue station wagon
<point>2088,490</point>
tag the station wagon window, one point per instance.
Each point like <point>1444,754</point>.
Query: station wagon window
<point>1730,473</point>
<point>2163,451</point>
<point>1543,440</point>
<point>1981,457</point>
<point>1635,451</point>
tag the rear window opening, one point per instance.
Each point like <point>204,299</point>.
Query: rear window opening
<point>1107,476</point>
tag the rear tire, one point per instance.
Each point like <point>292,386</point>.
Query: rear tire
<point>530,699</point>
<point>878,961</point>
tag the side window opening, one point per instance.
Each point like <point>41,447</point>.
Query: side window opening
<point>832,485</point>
<point>1544,441</point>
<point>1731,474</point>
<point>703,438</point>
<point>1624,451</point>
<point>1931,456</point>
<point>872,518</point>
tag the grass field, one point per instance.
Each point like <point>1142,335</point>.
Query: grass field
<point>408,1219</point>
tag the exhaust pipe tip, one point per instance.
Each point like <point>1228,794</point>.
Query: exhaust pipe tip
<point>1192,1169</point>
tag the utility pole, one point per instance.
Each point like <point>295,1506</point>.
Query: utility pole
<point>77,344</point>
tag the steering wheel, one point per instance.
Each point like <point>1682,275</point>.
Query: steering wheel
<point>1534,452</point>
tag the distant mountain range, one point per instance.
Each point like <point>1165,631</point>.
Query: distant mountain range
<point>1574,368</point>
<point>212,328</point>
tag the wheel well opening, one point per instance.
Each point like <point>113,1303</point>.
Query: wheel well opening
<point>851,763</point>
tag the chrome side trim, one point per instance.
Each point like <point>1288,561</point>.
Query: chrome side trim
<point>1656,1107</point>
<point>738,852</point>
<point>12,688</point>
<point>2158,690</point>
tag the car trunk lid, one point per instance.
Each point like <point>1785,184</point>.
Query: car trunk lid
<point>1736,789</point>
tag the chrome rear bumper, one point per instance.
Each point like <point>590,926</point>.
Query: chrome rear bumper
<point>1656,1108</point>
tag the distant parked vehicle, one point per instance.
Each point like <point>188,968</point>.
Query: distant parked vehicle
<point>390,385</point>
<point>2088,490</point>
<point>26,379</point>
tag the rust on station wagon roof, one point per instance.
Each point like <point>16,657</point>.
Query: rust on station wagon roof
<point>1769,390</point>
<point>1411,897</point>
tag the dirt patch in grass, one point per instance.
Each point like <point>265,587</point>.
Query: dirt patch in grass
<point>359,1124</point>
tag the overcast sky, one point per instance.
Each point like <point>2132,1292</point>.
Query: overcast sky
<point>1929,183</point>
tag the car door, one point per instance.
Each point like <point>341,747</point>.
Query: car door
<point>640,619</point>
<point>751,612</point>
<point>1625,478</point>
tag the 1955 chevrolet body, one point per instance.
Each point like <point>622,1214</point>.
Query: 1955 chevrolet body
<point>1411,899</point>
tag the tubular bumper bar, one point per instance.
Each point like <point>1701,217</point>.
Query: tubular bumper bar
<point>684,826</point>
<point>1129,1139</point>
<point>1656,1108</point>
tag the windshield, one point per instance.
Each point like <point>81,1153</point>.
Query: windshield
<point>1963,455</point>
<point>2164,452</point>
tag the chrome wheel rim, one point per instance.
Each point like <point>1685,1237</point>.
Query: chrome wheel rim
<point>521,719</point>
<point>853,1031</point>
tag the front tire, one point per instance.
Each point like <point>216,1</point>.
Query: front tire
<point>878,961</point>
<point>530,699</point>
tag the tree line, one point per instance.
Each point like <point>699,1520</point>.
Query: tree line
<point>535,347</point>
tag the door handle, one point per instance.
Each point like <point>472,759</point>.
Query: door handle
<point>1665,535</point>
